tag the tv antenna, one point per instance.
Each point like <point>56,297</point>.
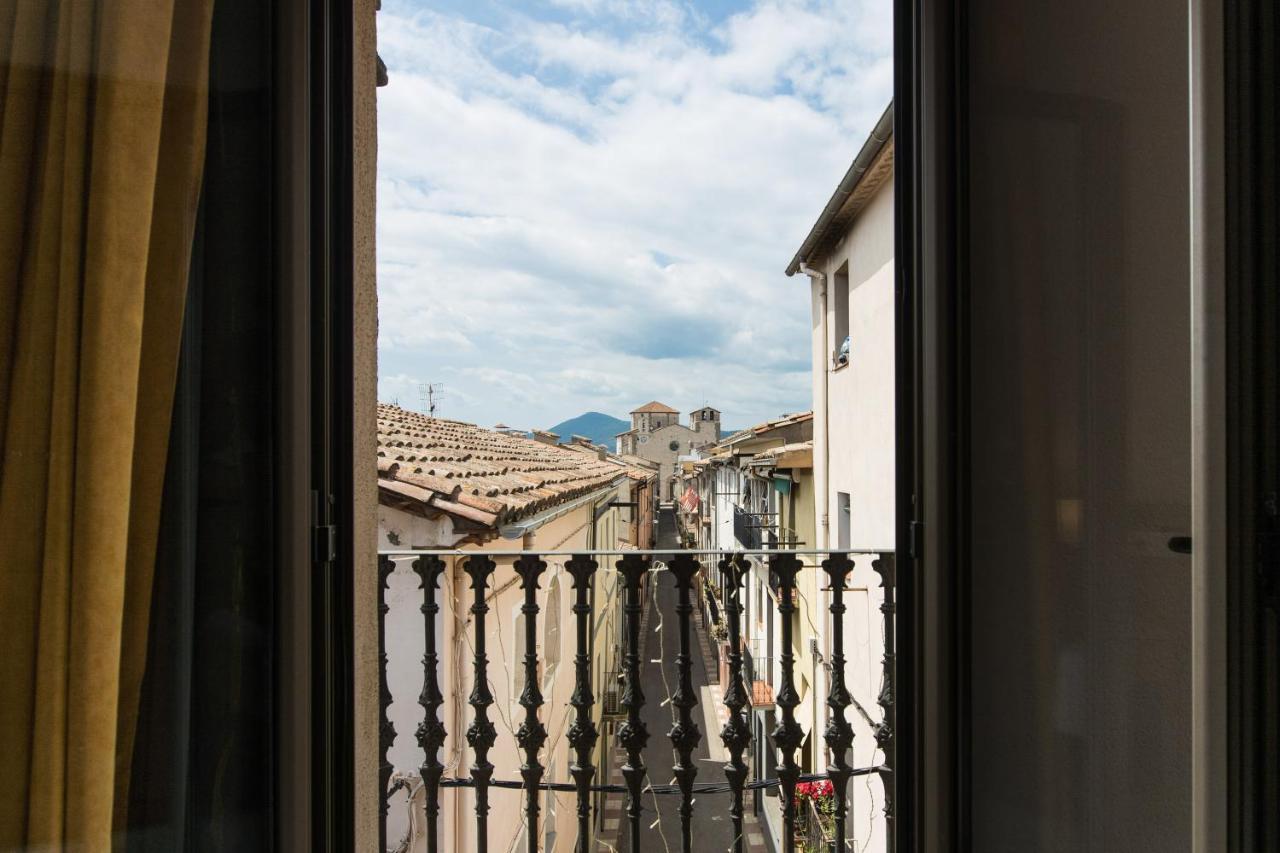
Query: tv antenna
<point>430,393</point>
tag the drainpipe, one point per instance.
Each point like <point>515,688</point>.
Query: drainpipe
<point>824,499</point>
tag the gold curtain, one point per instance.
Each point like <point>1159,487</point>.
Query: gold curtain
<point>102,136</point>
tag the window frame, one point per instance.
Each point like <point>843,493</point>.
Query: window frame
<point>931,186</point>
<point>313,201</point>
<point>839,293</point>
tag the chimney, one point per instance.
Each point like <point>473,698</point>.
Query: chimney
<point>545,437</point>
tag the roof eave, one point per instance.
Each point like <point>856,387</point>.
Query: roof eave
<point>518,529</point>
<point>880,136</point>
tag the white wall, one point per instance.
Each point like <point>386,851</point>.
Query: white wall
<point>854,446</point>
<point>860,397</point>
<point>400,529</point>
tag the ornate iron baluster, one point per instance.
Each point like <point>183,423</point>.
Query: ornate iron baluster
<point>839,733</point>
<point>532,734</point>
<point>386,729</point>
<point>685,733</point>
<point>582,734</point>
<point>481,734</point>
<point>431,732</point>
<point>736,734</point>
<point>632,734</point>
<point>787,735</point>
<point>884,566</point>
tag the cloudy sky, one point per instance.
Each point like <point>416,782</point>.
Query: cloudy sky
<point>588,204</point>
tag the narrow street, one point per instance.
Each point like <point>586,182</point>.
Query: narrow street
<point>712,829</point>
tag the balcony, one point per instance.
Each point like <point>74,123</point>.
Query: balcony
<point>536,760</point>
<point>746,528</point>
<point>758,670</point>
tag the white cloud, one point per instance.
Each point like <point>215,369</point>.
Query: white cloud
<point>592,214</point>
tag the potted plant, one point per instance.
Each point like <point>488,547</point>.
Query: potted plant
<point>719,635</point>
<point>815,808</point>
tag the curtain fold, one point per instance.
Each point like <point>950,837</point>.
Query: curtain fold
<point>102,121</point>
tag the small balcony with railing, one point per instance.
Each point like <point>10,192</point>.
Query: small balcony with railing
<point>565,701</point>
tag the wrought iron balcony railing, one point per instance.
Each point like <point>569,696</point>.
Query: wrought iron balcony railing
<point>636,571</point>
<point>746,528</point>
<point>819,836</point>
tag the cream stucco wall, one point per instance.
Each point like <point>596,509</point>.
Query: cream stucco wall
<point>365,431</point>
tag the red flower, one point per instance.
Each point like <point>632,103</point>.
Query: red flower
<point>819,790</point>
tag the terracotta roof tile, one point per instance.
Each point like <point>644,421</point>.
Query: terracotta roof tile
<point>766,427</point>
<point>654,406</point>
<point>484,476</point>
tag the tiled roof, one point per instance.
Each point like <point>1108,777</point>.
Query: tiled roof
<point>784,449</point>
<point>654,406</point>
<point>640,462</point>
<point>798,454</point>
<point>432,465</point>
<point>766,427</point>
<point>643,471</point>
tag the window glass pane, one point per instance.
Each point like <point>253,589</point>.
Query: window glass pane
<point>1079,427</point>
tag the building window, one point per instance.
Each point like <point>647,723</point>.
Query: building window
<point>551,618</point>
<point>840,317</point>
<point>518,647</point>
<point>843,520</point>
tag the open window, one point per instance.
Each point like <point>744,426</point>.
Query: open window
<point>840,317</point>
<point>1067,413</point>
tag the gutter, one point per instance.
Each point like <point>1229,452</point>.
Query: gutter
<point>871,149</point>
<point>521,528</point>
<point>823,508</point>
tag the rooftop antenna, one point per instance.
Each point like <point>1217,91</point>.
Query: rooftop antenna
<point>430,393</point>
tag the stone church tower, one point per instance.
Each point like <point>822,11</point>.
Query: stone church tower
<point>656,434</point>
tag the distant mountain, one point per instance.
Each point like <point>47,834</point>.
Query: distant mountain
<point>597,426</point>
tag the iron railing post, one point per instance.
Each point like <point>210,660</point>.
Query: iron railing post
<point>839,734</point>
<point>481,734</point>
<point>532,733</point>
<point>884,565</point>
<point>787,735</point>
<point>736,734</point>
<point>582,734</point>
<point>684,734</point>
<point>386,729</point>
<point>633,735</point>
<point>431,732</point>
